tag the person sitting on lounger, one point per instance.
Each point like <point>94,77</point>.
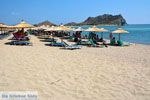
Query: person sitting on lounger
<point>94,40</point>
<point>101,40</point>
<point>104,43</point>
<point>113,40</point>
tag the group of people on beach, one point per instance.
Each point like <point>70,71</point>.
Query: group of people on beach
<point>76,36</point>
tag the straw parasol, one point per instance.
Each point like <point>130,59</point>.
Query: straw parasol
<point>52,28</point>
<point>79,29</point>
<point>10,27</point>
<point>23,24</point>
<point>103,30</point>
<point>120,31</point>
<point>95,29</point>
<point>2,26</point>
<point>62,28</point>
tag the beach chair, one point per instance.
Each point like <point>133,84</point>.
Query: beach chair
<point>95,45</point>
<point>18,37</point>
<point>58,44</point>
<point>20,43</point>
<point>121,43</point>
<point>2,36</point>
<point>84,42</point>
<point>112,42</point>
<point>72,39</point>
<point>44,36</point>
<point>50,40</point>
<point>72,47</point>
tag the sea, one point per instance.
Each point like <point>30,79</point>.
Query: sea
<point>138,33</point>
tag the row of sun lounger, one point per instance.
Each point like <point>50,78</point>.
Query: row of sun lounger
<point>4,35</point>
<point>17,40</point>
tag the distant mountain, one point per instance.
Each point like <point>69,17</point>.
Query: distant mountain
<point>2,23</point>
<point>45,23</point>
<point>71,24</point>
<point>105,19</point>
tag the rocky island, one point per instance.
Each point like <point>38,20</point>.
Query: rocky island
<point>105,19</point>
<point>45,23</point>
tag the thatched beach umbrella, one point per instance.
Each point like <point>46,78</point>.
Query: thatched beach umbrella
<point>52,28</point>
<point>23,24</point>
<point>120,31</point>
<point>79,29</point>
<point>2,27</point>
<point>102,31</point>
<point>62,28</point>
<point>95,29</point>
<point>10,27</point>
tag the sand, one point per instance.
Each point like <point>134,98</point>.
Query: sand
<point>113,73</point>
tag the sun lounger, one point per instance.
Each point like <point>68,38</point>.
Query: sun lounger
<point>51,40</point>
<point>72,47</point>
<point>66,37</point>
<point>84,42</point>
<point>113,42</point>
<point>95,45</point>
<point>121,43</point>
<point>4,35</point>
<point>58,44</point>
<point>18,37</point>
<point>20,43</point>
<point>72,39</point>
<point>44,37</point>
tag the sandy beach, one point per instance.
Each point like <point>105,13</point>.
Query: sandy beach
<point>113,73</point>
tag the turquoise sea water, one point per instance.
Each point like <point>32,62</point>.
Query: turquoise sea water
<point>139,33</point>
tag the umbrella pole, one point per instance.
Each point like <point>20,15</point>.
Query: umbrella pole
<point>119,36</point>
<point>23,30</point>
<point>4,30</point>
<point>102,35</point>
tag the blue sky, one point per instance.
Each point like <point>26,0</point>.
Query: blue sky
<point>64,11</point>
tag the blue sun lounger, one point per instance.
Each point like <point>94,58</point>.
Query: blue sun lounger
<point>21,43</point>
<point>72,47</point>
<point>51,40</point>
<point>58,44</point>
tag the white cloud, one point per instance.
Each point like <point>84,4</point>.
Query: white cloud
<point>14,13</point>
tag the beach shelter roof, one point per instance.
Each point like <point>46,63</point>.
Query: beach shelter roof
<point>95,29</point>
<point>37,28</point>
<point>79,29</point>
<point>62,28</point>
<point>103,30</point>
<point>9,27</point>
<point>6,26</point>
<point>120,30</point>
<point>2,26</point>
<point>23,24</point>
<point>52,28</point>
